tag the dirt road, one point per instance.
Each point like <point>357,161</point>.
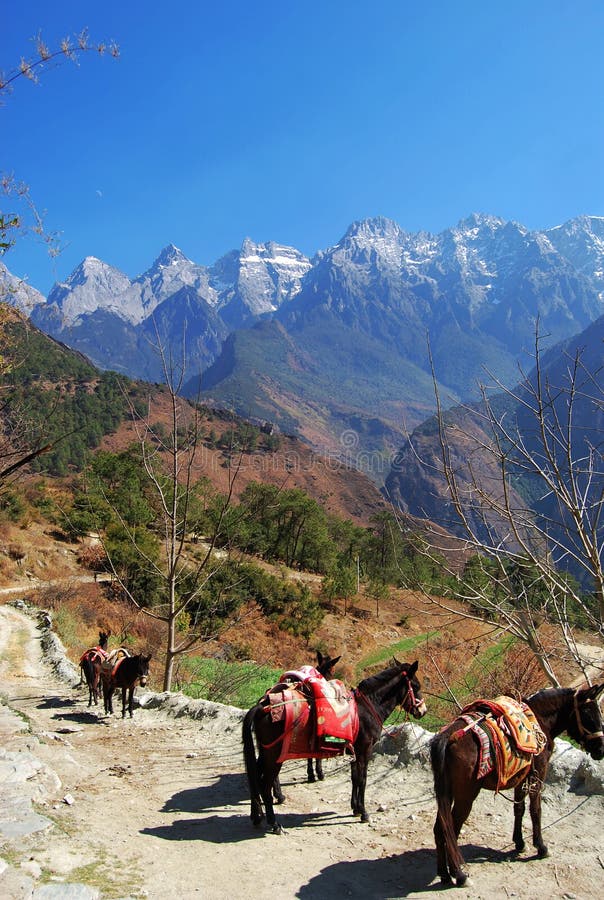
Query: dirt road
<point>158,808</point>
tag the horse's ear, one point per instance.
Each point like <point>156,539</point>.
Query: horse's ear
<point>147,658</point>
<point>413,668</point>
<point>335,661</point>
<point>592,692</point>
<point>320,658</point>
<point>396,662</point>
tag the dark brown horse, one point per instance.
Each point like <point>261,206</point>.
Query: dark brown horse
<point>454,764</point>
<point>124,673</point>
<point>90,665</point>
<point>376,697</point>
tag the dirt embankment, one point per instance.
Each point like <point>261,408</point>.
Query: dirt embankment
<point>157,807</point>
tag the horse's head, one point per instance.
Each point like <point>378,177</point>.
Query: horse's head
<point>410,690</point>
<point>104,639</point>
<point>327,664</point>
<point>142,672</point>
<point>586,725</point>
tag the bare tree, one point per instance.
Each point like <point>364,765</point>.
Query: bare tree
<point>170,457</point>
<point>524,474</point>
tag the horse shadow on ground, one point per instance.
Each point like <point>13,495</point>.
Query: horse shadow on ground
<point>229,829</point>
<point>410,873</point>
<point>68,712</point>
<point>405,874</point>
<point>81,718</point>
<point>57,703</point>
<point>225,790</point>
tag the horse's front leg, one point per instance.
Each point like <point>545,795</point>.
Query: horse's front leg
<point>519,807</point>
<point>319,768</point>
<point>310,772</point>
<point>124,690</point>
<point>277,792</point>
<point>354,777</point>
<point>358,772</point>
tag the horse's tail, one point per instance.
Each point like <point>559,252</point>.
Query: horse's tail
<point>444,794</point>
<point>251,764</point>
<point>249,751</point>
<point>86,670</point>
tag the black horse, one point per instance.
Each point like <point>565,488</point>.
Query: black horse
<point>90,665</point>
<point>124,674</point>
<point>454,763</point>
<point>376,697</point>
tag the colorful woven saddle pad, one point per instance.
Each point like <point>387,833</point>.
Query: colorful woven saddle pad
<point>508,735</point>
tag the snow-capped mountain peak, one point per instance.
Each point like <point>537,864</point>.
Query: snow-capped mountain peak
<point>171,256</point>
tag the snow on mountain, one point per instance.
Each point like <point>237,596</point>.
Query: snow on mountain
<point>581,242</point>
<point>91,286</point>
<point>483,275</point>
<point>18,293</point>
<point>170,272</point>
<point>257,280</point>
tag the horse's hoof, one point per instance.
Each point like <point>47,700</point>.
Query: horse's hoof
<point>364,817</point>
<point>321,777</point>
<point>280,800</point>
<point>519,847</point>
<point>461,879</point>
<point>542,852</point>
<point>277,829</point>
<point>311,779</point>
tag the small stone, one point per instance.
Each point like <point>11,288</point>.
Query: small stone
<point>192,755</point>
<point>68,799</point>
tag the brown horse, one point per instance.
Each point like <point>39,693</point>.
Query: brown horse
<point>455,762</point>
<point>90,665</point>
<point>124,673</point>
<point>376,697</point>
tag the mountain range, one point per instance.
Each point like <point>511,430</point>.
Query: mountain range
<point>342,348</point>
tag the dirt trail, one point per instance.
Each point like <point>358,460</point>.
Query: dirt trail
<point>160,810</point>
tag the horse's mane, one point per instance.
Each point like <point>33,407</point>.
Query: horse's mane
<point>549,698</point>
<point>376,681</point>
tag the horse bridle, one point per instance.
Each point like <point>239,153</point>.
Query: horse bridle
<point>585,735</point>
<point>415,703</point>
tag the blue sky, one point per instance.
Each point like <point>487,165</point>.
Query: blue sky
<point>288,121</point>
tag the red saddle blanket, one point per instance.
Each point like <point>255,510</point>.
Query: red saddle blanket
<point>320,717</point>
<point>93,654</point>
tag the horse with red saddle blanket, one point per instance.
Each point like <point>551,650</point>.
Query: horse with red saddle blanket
<point>121,670</point>
<point>502,743</point>
<point>90,666</point>
<point>321,721</point>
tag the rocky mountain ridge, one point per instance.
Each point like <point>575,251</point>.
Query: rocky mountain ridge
<point>353,323</point>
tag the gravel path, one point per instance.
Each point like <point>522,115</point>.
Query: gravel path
<point>157,807</point>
